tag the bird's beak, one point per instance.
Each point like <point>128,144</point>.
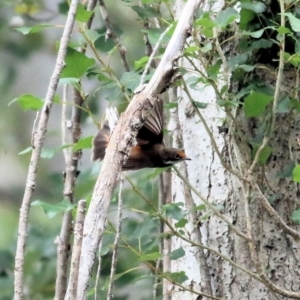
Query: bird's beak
<point>187,158</point>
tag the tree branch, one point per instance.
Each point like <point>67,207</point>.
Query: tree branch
<point>110,33</point>
<point>121,143</point>
<point>38,138</point>
<point>78,232</point>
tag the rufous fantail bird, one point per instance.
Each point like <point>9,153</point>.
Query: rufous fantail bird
<point>150,151</point>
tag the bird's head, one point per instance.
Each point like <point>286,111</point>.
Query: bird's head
<point>173,156</point>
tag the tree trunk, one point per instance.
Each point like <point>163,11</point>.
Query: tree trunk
<point>264,263</point>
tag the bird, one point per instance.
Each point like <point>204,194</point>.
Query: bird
<point>150,150</point>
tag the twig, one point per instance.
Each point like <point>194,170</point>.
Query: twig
<point>212,139</point>
<point>97,281</point>
<point>110,33</point>
<point>151,58</point>
<point>149,48</point>
<point>76,251</point>
<point>215,211</point>
<point>63,240</point>
<point>193,243</point>
<point>295,234</point>
<point>258,265</point>
<point>276,94</point>
<point>121,143</point>
<point>166,243</point>
<point>116,242</point>
<point>36,151</point>
<point>234,264</point>
<point>71,133</point>
<point>192,215</point>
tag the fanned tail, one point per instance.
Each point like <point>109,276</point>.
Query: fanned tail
<point>100,142</point>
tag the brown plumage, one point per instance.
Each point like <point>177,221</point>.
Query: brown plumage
<point>150,151</point>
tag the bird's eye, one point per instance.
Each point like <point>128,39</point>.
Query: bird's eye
<point>177,157</point>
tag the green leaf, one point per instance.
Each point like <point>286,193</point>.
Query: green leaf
<point>33,29</point>
<point>284,105</point>
<point>292,59</point>
<point>283,30</point>
<point>179,277</point>
<point>181,223</point>
<point>157,172</point>
<point>176,254</point>
<point>150,256</point>
<point>206,21</point>
<point>25,151</point>
<point>287,171</point>
<point>200,207</point>
<point>295,22</point>
<point>145,12</point>
<point>255,34</point>
<point>48,153</point>
<point>76,64</point>
<point>51,210</point>
<point>264,155</point>
<point>246,16</point>
<point>174,211</point>
<point>256,103</point>
<point>83,143</point>
<point>206,48</point>
<point>170,105</point>
<point>28,101</point>
<point>261,43</point>
<point>74,82</point>
<point>296,173</point>
<point>154,34</point>
<point>138,64</point>
<point>226,17</point>
<point>130,80</point>
<point>201,105</point>
<point>246,68</point>
<point>92,35</point>
<point>82,14</point>
<point>214,69</point>
<point>144,228</point>
<point>237,60</point>
<point>296,104</point>
<point>257,7</point>
<point>191,49</point>
<point>296,216</point>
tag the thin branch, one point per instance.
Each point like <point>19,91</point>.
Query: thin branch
<point>192,214</point>
<point>258,265</point>
<point>234,264</point>
<point>76,251</point>
<point>151,58</point>
<point>98,274</point>
<point>116,242</point>
<point>71,133</point>
<point>276,94</point>
<point>223,58</point>
<point>215,211</point>
<point>110,33</point>
<point>191,241</point>
<point>294,233</point>
<point>63,240</point>
<point>212,139</point>
<point>38,139</point>
<point>121,143</point>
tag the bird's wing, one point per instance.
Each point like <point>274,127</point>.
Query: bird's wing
<point>152,130</point>
<point>137,160</point>
<point>100,142</point>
